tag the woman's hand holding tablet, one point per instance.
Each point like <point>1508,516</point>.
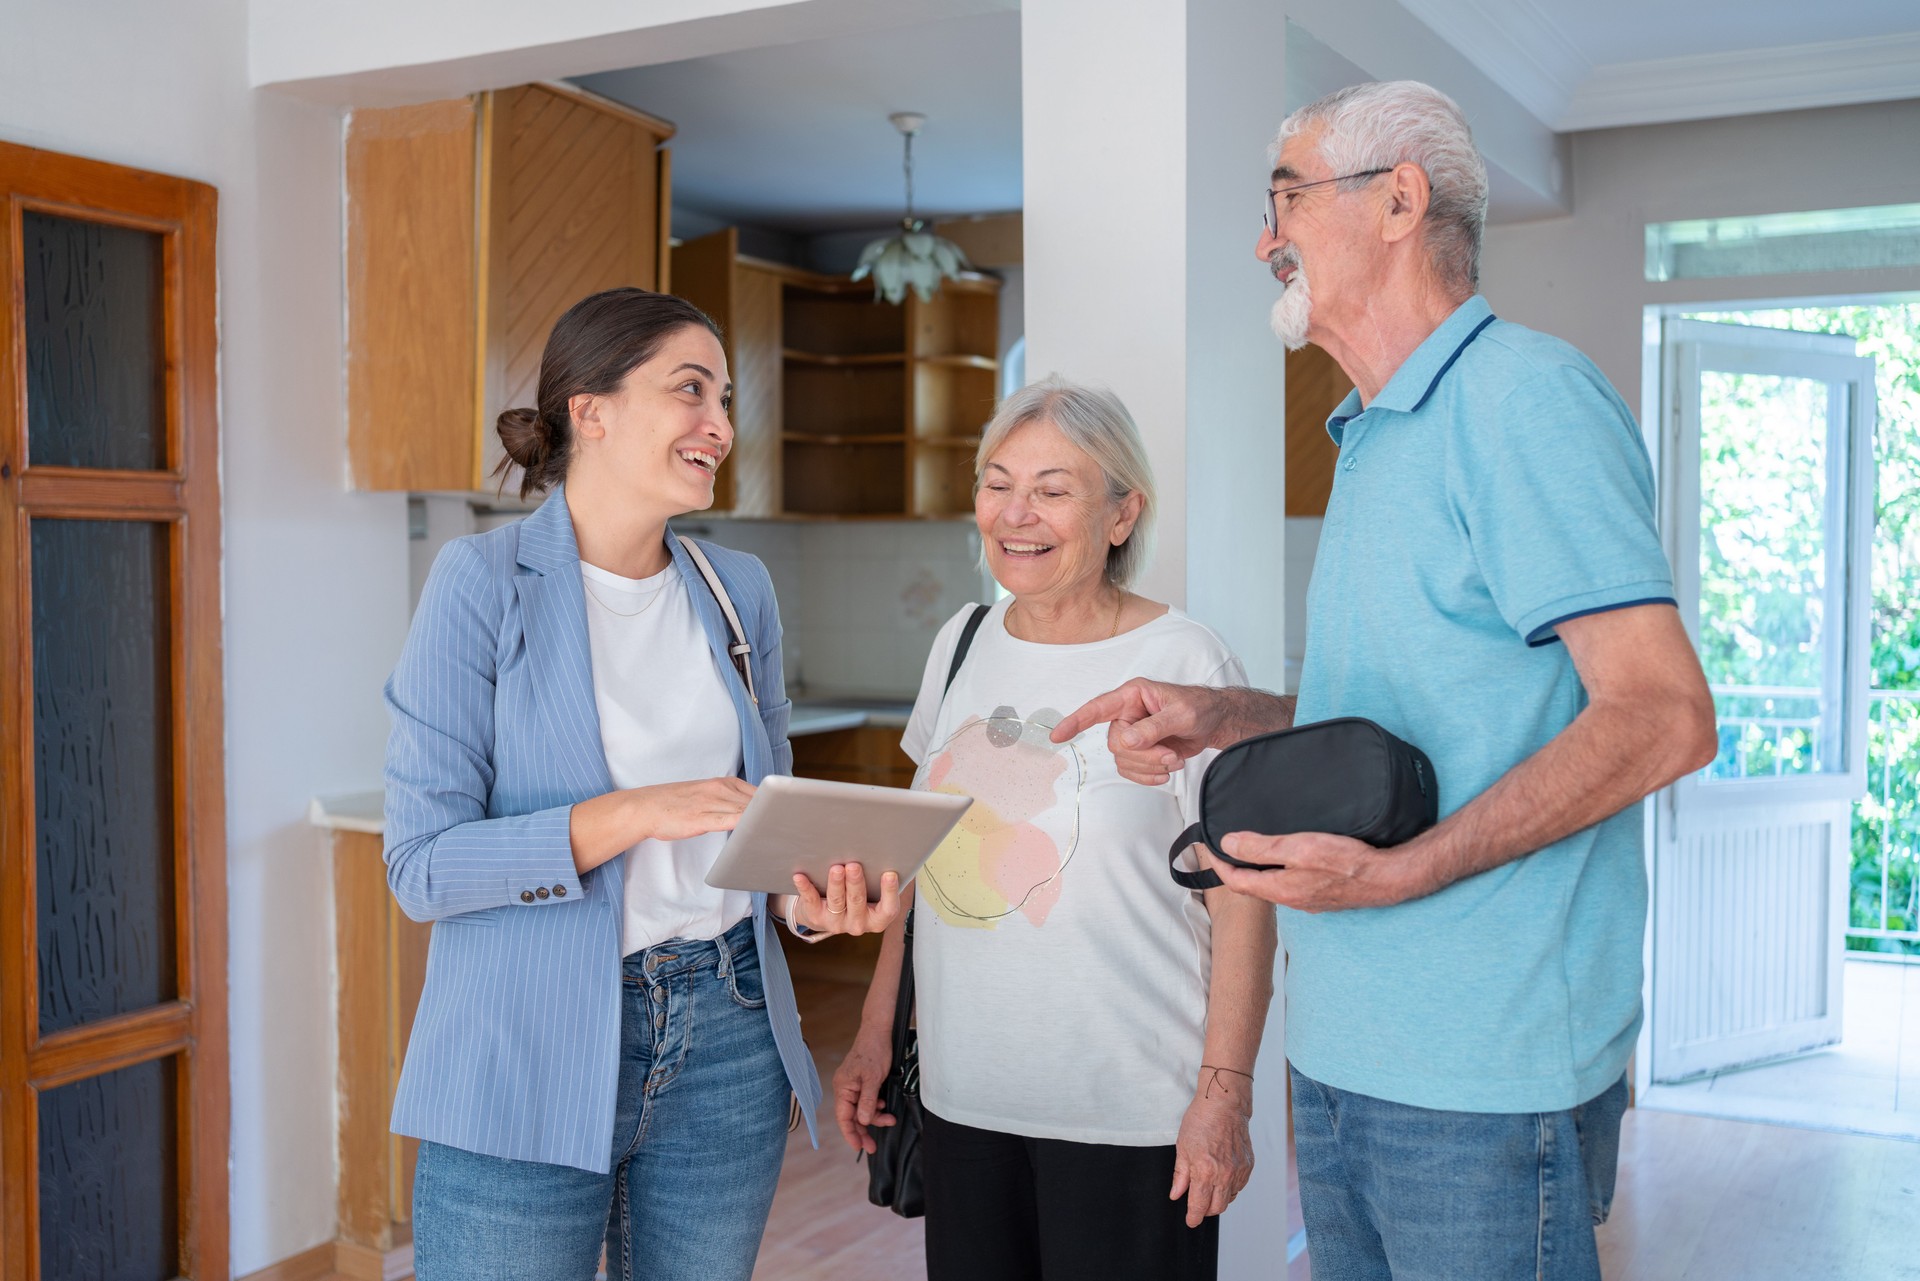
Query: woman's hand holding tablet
<point>848,849</point>
<point>847,887</point>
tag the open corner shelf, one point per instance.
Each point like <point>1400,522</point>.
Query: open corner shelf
<point>844,406</point>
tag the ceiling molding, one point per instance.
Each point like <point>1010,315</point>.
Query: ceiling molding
<point>1515,44</point>
<point>1877,69</point>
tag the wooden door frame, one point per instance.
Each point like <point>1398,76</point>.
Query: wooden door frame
<point>186,496</point>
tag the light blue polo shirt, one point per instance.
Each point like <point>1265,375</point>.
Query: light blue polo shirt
<point>1495,487</point>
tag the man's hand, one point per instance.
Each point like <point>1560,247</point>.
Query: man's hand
<point>1153,728</point>
<point>1316,872</point>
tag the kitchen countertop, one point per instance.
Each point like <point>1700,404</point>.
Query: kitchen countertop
<point>350,812</point>
<point>365,811</point>
<point>817,714</point>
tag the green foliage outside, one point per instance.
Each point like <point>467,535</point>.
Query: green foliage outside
<point>1762,576</point>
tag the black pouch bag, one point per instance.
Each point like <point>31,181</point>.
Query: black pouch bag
<point>1349,777</point>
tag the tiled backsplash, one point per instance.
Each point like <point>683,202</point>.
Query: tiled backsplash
<point>860,601</point>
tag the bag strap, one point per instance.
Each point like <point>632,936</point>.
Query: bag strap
<point>1204,879</point>
<point>964,644</point>
<point>903,1003</point>
<point>741,650</point>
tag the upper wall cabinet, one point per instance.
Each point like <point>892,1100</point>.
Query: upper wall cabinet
<point>843,406</point>
<point>472,225</point>
<point>1315,388</point>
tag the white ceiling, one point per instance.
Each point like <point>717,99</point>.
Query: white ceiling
<point>1580,65</point>
<point>795,138</point>
<point>1635,30</point>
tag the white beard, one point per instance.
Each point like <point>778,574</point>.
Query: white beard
<point>1292,311</point>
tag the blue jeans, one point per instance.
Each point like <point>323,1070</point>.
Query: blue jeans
<point>1397,1193</point>
<point>700,1128</point>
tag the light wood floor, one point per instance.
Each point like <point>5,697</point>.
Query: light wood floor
<point>1699,1199</point>
<point>822,1227</point>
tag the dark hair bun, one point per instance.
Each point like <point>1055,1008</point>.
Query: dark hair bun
<point>524,435</point>
<point>528,439</point>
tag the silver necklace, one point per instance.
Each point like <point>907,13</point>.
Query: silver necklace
<point>621,613</point>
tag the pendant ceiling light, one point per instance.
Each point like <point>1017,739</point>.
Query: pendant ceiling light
<point>913,255</point>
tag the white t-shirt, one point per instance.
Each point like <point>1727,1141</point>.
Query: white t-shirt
<point>1062,975</point>
<point>665,717</point>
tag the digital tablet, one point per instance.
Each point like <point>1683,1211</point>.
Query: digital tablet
<point>808,824</point>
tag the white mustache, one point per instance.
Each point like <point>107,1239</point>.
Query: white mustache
<point>1282,259</point>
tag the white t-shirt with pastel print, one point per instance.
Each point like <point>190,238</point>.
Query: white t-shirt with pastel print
<point>1062,975</point>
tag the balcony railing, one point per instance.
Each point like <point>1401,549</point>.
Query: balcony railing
<point>1775,731</point>
<point>1885,877</point>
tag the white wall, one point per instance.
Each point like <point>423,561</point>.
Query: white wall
<point>165,88</point>
<point>1582,278</point>
<point>1146,126</point>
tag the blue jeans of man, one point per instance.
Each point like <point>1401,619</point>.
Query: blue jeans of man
<point>1398,1193</point>
<point>700,1129</point>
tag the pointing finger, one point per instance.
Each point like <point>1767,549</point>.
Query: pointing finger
<point>1114,704</point>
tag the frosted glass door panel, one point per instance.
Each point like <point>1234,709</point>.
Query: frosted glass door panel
<point>109,1176</point>
<point>96,373</point>
<point>102,769</point>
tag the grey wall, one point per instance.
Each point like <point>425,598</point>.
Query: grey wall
<point>1582,277</point>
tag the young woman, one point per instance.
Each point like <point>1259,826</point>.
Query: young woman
<point>606,1047</point>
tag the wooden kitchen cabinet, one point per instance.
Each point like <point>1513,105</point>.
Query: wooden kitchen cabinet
<point>865,754</point>
<point>845,407</point>
<point>1315,388</point>
<point>472,224</point>
<point>380,966</point>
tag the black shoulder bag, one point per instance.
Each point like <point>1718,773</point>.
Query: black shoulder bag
<point>1348,776</point>
<point>893,1172</point>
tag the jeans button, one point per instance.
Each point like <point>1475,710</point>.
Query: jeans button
<point>660,1019</point>
<point>526,896</point>
<point>660,995</point>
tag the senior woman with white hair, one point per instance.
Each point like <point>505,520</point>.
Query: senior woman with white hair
<point>1087,1029</point>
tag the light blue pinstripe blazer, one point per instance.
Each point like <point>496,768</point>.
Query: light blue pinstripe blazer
<point>515,1049</point>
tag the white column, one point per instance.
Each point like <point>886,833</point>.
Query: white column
<point>1146,125</point>
<point>1145,132</point>
<point>1104,135</point>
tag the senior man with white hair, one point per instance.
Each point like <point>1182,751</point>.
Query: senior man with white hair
<point>1490,587</point>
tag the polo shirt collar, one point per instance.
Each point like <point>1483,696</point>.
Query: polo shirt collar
<point>1421,372</point>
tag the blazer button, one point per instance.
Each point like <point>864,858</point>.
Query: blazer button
<point>559,891</point>
<point>542,892</point>
<point>526,896</point>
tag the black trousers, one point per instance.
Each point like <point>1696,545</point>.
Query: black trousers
<point>1002,1207</point>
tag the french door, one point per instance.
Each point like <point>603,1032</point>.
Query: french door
<point>113,1039</point>
<point>1768,480</point>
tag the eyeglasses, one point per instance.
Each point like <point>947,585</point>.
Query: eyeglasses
<point>1270,211</point>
